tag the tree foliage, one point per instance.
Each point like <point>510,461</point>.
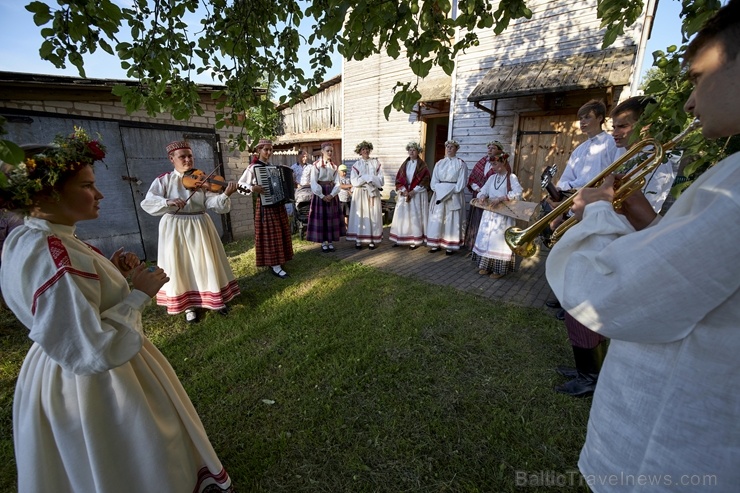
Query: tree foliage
<point>242,43</point>
<point>668,84</point>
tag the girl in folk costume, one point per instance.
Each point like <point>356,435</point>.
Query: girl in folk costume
<point>412,207</point>
<point>190,249</point>
<point>272,239</point>
<point>325,220</point>
<point>366,213</point>
<point>482,170</point>
<point>446,206</point>
<point>496,258</point>
<point>97,407</point>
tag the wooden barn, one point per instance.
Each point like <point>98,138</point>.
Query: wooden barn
<point>522,88</point>
<point>309,123</point>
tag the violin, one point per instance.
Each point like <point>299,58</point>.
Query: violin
<point>195,179</point>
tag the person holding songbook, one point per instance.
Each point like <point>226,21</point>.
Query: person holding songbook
<point>366,213</point>
<point>447,204</point>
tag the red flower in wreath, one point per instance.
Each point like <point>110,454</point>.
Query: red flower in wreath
<point>94,148</point>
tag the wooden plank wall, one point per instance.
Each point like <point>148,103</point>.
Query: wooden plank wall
<point>368,88</point>
<point>322,111</point>
<point>557,28</point>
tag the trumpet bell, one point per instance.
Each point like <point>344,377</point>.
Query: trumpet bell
<point>514,236</point>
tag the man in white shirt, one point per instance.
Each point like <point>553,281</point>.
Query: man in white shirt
<point>586,161</point>
<point>299,166</point>
<point>624,117</point>
<point>666,291</point>
<point>594,154</point>
<point>588,346</point>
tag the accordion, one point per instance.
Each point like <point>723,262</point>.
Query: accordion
<point>277,182</point>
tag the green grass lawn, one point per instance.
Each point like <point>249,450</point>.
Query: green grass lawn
<point>344,378</point>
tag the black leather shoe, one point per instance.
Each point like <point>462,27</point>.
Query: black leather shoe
<point>371,246</point>
<point>281,274</point>
<point>560,315</point>
<point>581,386</point>
<point>567,371</point>
<point>552,303</point>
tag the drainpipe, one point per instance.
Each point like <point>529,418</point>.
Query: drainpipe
<point>650,7</point>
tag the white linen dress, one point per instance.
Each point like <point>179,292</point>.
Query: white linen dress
<point>97,407</point>
<point>489,242</point>
<point>190,250</point>
<point>410,216</point>
<point>366,213</point>
<point>444,227</point>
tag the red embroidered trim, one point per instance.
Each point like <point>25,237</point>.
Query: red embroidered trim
<point>58,251</point>
<point>221,479</point>
<point>94,249</point>
<point>48,284</point>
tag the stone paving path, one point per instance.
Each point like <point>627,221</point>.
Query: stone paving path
<point>527,286</point>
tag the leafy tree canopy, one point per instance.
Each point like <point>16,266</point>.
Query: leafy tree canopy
<point>242,42</point>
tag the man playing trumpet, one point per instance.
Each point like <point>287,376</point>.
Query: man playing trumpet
<point>666,290</point>
<point>589,347</point>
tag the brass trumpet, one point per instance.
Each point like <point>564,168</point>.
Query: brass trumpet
<point>521,241</point>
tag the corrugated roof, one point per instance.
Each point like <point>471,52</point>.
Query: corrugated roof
<point>603,68</point>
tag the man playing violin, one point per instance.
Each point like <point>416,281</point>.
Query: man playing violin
<point>666,291</point>
<point>190,249</point>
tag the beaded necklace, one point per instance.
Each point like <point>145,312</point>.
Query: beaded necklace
<point>497,184</point>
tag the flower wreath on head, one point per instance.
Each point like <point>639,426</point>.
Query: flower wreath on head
<point>414,145</point>
<point>497,144</point>
<point>362,144</point>
<point>43,170</point>
<point>452,142</point>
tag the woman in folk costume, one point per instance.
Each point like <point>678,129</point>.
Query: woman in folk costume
<point>97,407</point>
<point>272,238</point>
<point>412,206</point>
<point>325,219</point>
<point>496,258</point>
<point>366,212</point>
<point>190,249</point>
<point>446,206</point>
<point>482,170</point>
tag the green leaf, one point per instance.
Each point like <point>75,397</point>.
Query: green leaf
<point>10,152</point>
<point>41,13</point>
<point>46,49</point>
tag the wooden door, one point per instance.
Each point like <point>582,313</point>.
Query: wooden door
<point>544,140</point>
